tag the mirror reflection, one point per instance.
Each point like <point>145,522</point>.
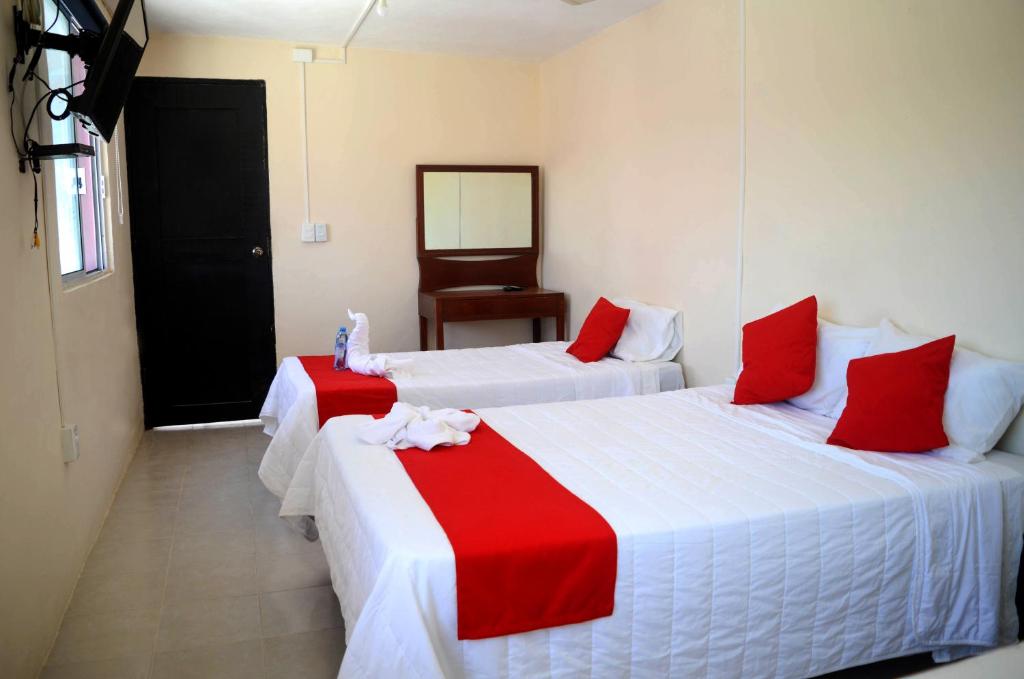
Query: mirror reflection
<point>477,210</point>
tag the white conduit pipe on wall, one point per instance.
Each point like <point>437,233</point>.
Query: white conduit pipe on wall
<point>742,202</point>
<point>304,123</point>
<point>305,104</point>
<point>305,137</point>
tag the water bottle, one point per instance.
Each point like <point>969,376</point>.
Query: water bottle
<point>341,349</point>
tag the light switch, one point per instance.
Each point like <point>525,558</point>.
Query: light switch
<point>308,233</point>
<point>321,233</point>
<point>69,442</point>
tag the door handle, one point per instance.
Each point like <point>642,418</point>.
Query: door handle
<point>257,252</point>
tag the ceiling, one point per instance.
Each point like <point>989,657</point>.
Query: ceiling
<point>516,29</point>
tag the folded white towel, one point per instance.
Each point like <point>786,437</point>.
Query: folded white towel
<point>407,426</point>
<point>360,360</point>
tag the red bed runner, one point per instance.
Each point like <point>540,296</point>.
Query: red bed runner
<point>343,392</point>
<point>528,553</point>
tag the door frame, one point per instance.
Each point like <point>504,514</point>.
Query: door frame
<point>139,260</point>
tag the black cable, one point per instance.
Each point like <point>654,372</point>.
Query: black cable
<point>35,204</point>
<point>31,74</point>
<point>10,88</point>
<point>31,117</point>
<point>50,96</point>
<point>22,151</point>
<point>52,23</point>
<point>14,137</point>
<point>11,75</point>
<point>54,96</point>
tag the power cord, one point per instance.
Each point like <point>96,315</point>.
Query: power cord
<point>24,150</point>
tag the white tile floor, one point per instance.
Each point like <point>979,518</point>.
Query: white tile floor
<point>195,575</point>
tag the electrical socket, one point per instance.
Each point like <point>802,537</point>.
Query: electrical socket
<point>321,232</point>
<point>69,442</point>
<point>308,233</point>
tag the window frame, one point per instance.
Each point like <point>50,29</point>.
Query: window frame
<point>97,168</point>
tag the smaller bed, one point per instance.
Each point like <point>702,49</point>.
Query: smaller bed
<point>457,378</point>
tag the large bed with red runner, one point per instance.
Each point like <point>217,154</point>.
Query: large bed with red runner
<point>306,392</point>
<point>672,534</point>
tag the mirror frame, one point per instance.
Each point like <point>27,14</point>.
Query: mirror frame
<point>532,170</point>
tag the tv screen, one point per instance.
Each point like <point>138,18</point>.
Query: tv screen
<point>111,73</point>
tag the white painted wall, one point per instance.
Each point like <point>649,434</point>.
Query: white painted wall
<point>51,513</point>
<point>885,166</point>
<point>641,172</point>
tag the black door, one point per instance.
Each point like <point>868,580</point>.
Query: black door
<point>200,218</point>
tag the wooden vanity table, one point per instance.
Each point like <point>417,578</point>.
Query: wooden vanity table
<point>489,305</point>
<point>479,225</point>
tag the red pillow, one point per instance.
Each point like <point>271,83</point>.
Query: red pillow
<point>896,400</point>
<point>779,353</point>
<point>600,332</point>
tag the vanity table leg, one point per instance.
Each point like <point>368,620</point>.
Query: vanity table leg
<point>423,333</point>
<point>536,330</point>
<point>440,333</point>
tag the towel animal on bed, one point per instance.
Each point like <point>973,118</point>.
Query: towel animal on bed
<point>407,426</point>
<point>360,360</point>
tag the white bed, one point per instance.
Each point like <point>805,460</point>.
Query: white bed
<point>457,378</point>
<point>746,547</point>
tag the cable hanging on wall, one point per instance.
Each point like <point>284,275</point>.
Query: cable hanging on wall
<point>23,148</point>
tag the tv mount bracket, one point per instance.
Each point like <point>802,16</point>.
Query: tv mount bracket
<point>84,45</point>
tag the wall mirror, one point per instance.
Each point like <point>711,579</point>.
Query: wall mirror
<point>477,209</point>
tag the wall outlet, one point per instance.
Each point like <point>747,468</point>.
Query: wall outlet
<point>321,233</point>
<point>69,442</point>
<point>308,233</point>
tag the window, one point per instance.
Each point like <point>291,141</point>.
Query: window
<point>78,182</point>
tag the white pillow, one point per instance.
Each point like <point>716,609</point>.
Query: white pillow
<point>652,333</point>
<point>837,346</point>
<point>984,394</point>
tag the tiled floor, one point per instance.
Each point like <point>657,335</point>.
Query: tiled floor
<point>195,575</point>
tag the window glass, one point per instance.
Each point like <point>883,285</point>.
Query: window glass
<point>77,181</point>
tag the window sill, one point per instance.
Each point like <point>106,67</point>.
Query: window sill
<point>73,282</point>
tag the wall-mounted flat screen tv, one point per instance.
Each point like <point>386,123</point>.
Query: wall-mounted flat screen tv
<point>111,71</point>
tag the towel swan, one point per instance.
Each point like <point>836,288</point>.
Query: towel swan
<point>359,358</point>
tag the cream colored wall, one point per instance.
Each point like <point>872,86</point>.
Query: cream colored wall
<point>641,172</point>
<point>51,512</point>
<point>885,165</point>
<point>370,123</point>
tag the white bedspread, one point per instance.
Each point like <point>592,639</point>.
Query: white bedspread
<point>746,548</point>
<point>457,378</point>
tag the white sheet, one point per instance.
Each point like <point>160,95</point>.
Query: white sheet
<point>746,548</point>
<point>457,378</point>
